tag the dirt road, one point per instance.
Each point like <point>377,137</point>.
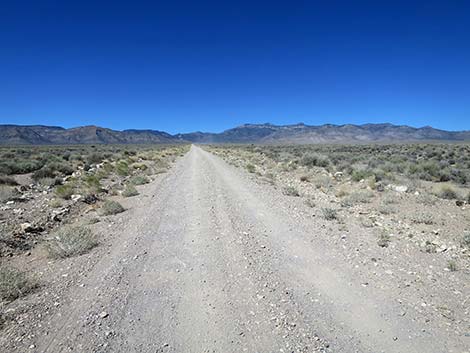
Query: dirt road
<point>210,261</point>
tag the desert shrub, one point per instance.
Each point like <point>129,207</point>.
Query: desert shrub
<point>94,158</point>
<point>314,160</point>
<point>50,181</point>
<point>64,191</point>
<point>466,240</point>
<point>310,202</point>
<point>122,168</point>
<point>19,167</point>
<point>139,180</point>
<point>14,284</point>
<point>452,265</point>
<point>447,192</point>
<point>93,182</point>
<point>61,167</point>
<point>423,218</point>
<point>55,203</point>
<point>387,209</point>
<point>322,181</point>
<point>71,240</point>
<point>43,173</point>
<point>358,175</point>
<point>329,213</point>
<point>291,191</point>
<point>384,240</point>
<point>427,199</point>
<point>130,191</point>
<point>140,166</point>
<point>342,192</point>
<point>8,193</point>
<point>389,200</point>
<point>250,168</point>
<point>6,180</point>
<point>111,208</point>
<point>362,196</point>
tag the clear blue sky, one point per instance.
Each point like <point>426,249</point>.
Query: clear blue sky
<point>203,65</point>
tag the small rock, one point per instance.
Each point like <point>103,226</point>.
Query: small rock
<point>400,188</point>
<point>75,197</point>
<point>30,228</point>
<point>104,314</point>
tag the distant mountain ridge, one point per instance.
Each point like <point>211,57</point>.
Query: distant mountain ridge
<point>247,133</point>
<point>327,133</point>
<point>53,135</point>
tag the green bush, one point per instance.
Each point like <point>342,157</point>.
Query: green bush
<point>71,240</point>
<point>44,172</point>
<point>130,191</point>
<point>452,265</point>
<point>122,168</point>
<point>64,191</point>
<point>93,183</point>
<point>314,160</point>
<point>139,180</point>
<point>111,208</point>
<point>358,175</point>
<point>250,168</point>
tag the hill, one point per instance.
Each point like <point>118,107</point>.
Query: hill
<point>247,133</point>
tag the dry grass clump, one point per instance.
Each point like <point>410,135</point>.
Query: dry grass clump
<point>384,240</point>
<point>7,193</point>
<point>322,181</point>
<point>6,180</point>
<point>447,192</point>
<point>329,213</point>
<point>111,208</point>
<point>14,284</point>
<point>423,218</point>
<point>361,196</point>
<point>71,240</point>
<point>387,209</point>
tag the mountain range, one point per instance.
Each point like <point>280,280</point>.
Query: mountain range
<point>247,133</point>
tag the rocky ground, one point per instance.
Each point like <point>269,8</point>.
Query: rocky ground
<point>217,259</point>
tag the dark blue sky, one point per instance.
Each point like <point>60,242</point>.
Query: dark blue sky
<point>200,65</point>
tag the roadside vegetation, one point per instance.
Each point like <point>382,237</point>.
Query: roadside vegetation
<point>416,194</point>
<point>45,190</point>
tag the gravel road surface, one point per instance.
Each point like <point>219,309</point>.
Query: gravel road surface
<point>210,261</point>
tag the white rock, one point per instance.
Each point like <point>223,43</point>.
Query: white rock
<point>400,188</point>
<point>75,197</point>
